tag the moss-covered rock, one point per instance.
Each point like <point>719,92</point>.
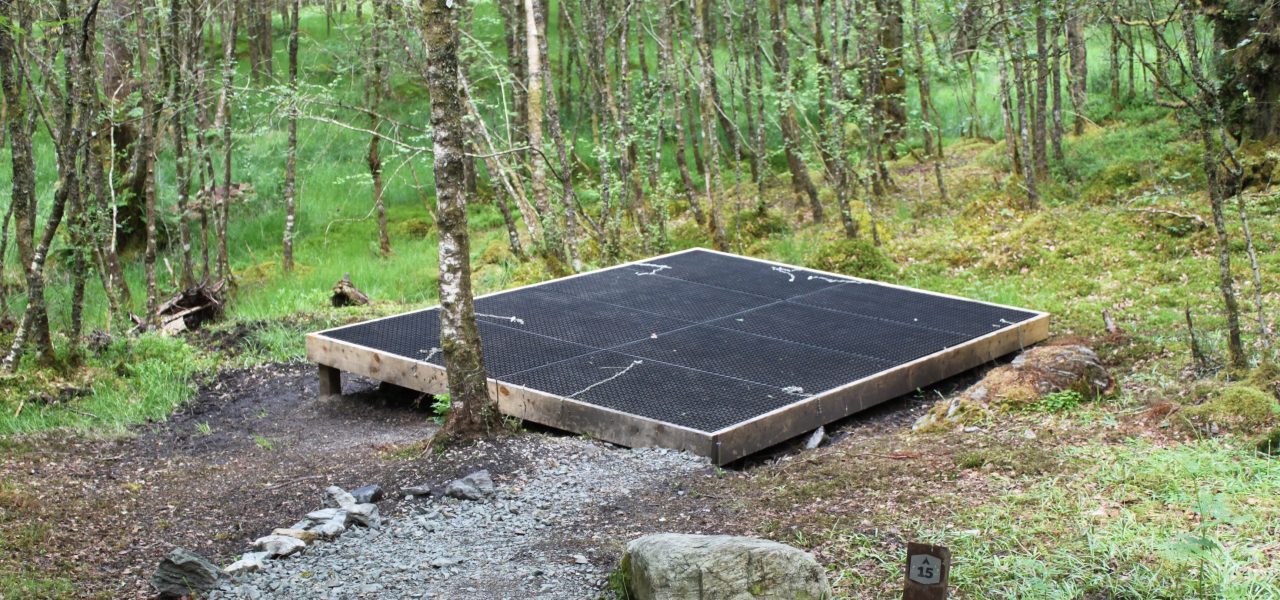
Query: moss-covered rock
<point>1020,384</point>
<point>1236,408</point>
<point>856,257</point>
<point>760,223</point>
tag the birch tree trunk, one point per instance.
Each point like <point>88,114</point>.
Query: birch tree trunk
<point>930,128</point>
<point>223,124</point>
<point>472,412</point>
<point>291,158</point>
<point>710,137</point>
<point>1077,53</point>
<point>535,29</point>
<point>787,114</point>
<point>374,156</point>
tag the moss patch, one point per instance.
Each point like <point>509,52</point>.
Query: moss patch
<point>1235,408</point>
<point>857,257</point>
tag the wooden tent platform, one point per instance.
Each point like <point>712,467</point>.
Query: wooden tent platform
<point>713,353</point>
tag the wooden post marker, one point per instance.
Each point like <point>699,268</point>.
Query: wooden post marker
<point>927,570</point>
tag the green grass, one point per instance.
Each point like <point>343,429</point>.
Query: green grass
<point>1135,521</point>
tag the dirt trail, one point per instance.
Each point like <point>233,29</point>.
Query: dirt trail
<point>253,450</point>
<point>254,447</point>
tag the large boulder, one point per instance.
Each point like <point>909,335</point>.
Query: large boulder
<point>184,573</point>
<point>1033,374</point>
<point>670,566</point>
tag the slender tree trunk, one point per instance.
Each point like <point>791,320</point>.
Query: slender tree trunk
<point>930,128</point>
<point>1055,83</point>
<point>176,68</point>
<point>568,199</point>
<point>757,74</point>
<point>1018,48</point>
<point>787,115</point>
<point>1039,123</point>
<point>837,65</point>
<point>147,161</point>
<point>497,170</point>
<point>374,156</point>
<point>291,157</point>
<point>20,123</point>
<point>666,55</point>
<point>472,412</point>
<point>535,29</point>
<point>1006,110</point>
<point>1212,121</point>
<point>223,124</point>
<point>710,138</point>
<point>893,82</point>
<point>515,22</point>
<point>1077,53</point>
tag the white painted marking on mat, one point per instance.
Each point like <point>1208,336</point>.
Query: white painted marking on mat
<point>655,268</point>
<point>516,320</point>
<point>791,273</point>
<point>429,353</point>
<point>828,279</point>
<point>609,378</point>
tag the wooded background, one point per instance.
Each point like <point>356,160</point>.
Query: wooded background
<point>157,146</point>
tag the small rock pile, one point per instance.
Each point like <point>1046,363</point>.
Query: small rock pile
<point>342,510</point>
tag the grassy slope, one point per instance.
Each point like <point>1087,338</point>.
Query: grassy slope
<point>1090,248</point>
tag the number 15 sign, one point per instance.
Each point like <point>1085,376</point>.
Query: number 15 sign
<point>927,570</point>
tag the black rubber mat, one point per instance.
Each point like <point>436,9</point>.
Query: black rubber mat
<point>699,339</point>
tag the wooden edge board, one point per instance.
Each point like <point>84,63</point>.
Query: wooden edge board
<point>784,423</point>
<point>723,446</point>
<point>539,407</point>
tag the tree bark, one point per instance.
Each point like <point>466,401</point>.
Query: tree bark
<point>535,29</point>
<point>787,114</point>
<point>223,124</point>
<point>147,165</point>
<point>177,66</point>
<point>291,157</point>
<point>1055,84</point>
<point>710,137</point>
<point>472,412</point>
<point>930,128</point>
<point>1077,52</point>
<point>374,156</point>
<point>1017,49</point>
<point>893,83</point>
<point>1039,122</point>
<point>666,56</point>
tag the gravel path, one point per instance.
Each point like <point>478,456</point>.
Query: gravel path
<point>512,545</point>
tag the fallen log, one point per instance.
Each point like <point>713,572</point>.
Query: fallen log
<point>188,309</point>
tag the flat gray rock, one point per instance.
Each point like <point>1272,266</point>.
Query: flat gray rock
<point>475,486</point>
<point>279,545</point>
<point>184,573</point>
<point>336,497</point>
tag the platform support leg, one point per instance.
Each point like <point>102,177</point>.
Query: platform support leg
<point>330,382</point>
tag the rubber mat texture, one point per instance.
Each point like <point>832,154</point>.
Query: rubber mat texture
<point>698,339</point>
